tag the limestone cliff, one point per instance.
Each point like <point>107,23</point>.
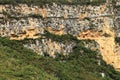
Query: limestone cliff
<point>106,40</point>
<point>100,23</point>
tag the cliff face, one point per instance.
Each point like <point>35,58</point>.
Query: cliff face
<point>106,41</point>
<point>58,19</point>
<point>99,23</point>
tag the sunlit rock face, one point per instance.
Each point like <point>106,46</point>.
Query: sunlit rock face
<point>58,19</point>
<point>52,47</point>
<point>106,40</point>
<point>99,23</point>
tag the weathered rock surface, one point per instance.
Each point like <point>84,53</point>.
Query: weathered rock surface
<point>100,23</point>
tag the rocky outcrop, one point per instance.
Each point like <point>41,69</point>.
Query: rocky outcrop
<point>99,23</point>
<point>68,18</point>
<point>52,47</point>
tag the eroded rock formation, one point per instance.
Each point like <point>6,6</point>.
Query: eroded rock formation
<point>99,23</point>
<point>106,40</point>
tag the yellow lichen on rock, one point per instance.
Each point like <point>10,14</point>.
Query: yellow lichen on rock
<point>102,9</point>
<point>56,32</point>
<point>82,15</point>
<point>30,33</point>
<point>88,35</point>
<point>43,13</point>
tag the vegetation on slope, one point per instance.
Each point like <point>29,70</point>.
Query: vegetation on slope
<point>18,63</point>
